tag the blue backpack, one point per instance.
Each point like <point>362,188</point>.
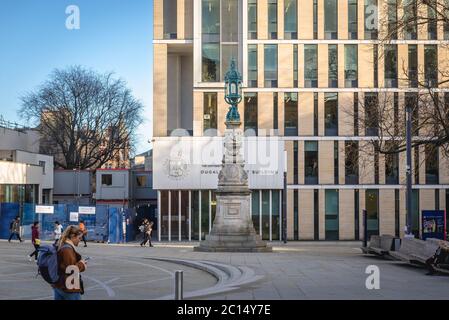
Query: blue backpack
<point>47,262</point>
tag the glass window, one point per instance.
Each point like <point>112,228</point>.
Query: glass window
<point>310,66</point>
<point>275,219</point>
<point>290,19</point>
<point>211,20</point>
<point>271,66</point>
<point>315,19</point>
<point>352,19</point>
<point>410,21</point>
<point>229,51</point>
<point>272,19</point>
<point>372,210</point>
<point>411,99</point>
<point>230,20</point>
<point>252,19</point>
<point>311,162</point>
<point>371,19</point>
<point>392,19</point>
<point>413,65</point>
<point>371,114</point>
<point>210,114</point>
<point>331,214</point>
<point>315,114</point>
<point>265,214</point>
<point>251,124</point>
<point>295,66</point>
<point>291,114</point>
<point>170,19</point>
<point>252,66</point>
<point>432,164</point>
<point>432,20</point>
<point>336,163</point>
<point>351,162</point>
<point>211,62</point>
<point>391,66</point>
<point>142,181</point>
<point>331,114</point>
<point>106,179</point>
<point>431,65</point>
<point>376,65</point>
<point>275,111</point>
<point>333,65</point>
<point>351,66</point>
<point>255,205</point>
<point>330,19</point>
<point>415,212</point>
<point>391,165</point>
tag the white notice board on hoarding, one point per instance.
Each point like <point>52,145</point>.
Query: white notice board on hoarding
<point>74,216</point>
<point>45,209</point>
<point>86,210</point>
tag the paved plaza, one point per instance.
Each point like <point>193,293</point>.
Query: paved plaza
<point>293,271</point>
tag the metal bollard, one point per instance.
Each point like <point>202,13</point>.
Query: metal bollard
<point>179,285</point>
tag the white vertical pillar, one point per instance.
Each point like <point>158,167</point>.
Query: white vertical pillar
<point>199,215</point>
<point>179,215</point>
<point>169,216</point>
<point>260,212</point>
<point>190,215</point>
<point>280,215</point>
<point>159,215</point>
<point>271,215</point>
<point>210,210</point>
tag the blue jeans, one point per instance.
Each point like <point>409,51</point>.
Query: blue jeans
<point>61,295</point>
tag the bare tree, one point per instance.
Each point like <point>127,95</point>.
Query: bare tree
<point>85,119</point>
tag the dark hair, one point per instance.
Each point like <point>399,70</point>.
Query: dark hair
<point>57,222</point>
<point>17,217</point>
<point>81,221</point>
<point>35,223</point>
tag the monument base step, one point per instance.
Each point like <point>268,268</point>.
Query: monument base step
<point>233,243</point>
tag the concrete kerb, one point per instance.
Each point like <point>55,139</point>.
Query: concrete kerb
<point>229,278</point>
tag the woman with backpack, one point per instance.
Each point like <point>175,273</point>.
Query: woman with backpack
<point>35,240</point>
<point>69,258</point>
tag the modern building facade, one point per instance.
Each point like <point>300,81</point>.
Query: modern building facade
<point>307,65</point>
<point>25,175</point>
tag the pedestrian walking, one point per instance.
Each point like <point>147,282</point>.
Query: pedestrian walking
<point>83,229</point>
<point>69,258</point>
<point>35,240</point>
<point>14,229</point>
<point>57,232</point>
<point>147,231</point>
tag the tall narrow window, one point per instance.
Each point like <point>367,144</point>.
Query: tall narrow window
<point>330,19</point>
<point>331,214</point>
<point>392,19</point>
<point>417,164</point>
<point>432,164</point>
<point>295,66</point>
<point>310,66</point>
<point>251,119</point>
<point>211,40</point>
<point>291,114</point>
<point>391,165</point>
<point>290,19</point>
<point>371,114</point>
<point>336,165</point>
<point>413,65</point>
<point>376,65</point>
<point>351,162</point>
<point>315,19</point>
<point>391,66</point>
<point>295,162</point>
<point>356,114</point>
<point>333,65</point>
<point>229,34</point>
<point>351,66</point>
<point>372,210</point>
<point>410,20</point>
<point>411,99</point>
<point>271,66</point>
<point>396,113</point>
<point>311,162</point>
<point>170,19</point>
<point>315,114</point>
<point>275,111</point>
<point>272,19</point>
<point>316,215</point>
<point>252,66</point>
<point>252,19</point>
<point>331,114</point>
<point>432,20</point>
<point>295,216</point>
<point>371,20</point>
<point>210,114</point>
<point>352,20</point>
<point>431,65</point>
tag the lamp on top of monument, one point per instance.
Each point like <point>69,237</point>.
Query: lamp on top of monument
<point>233,92</point>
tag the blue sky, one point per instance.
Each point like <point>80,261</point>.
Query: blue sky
<point>114,35</point>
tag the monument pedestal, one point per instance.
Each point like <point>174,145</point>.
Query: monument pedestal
<point>233,229</point>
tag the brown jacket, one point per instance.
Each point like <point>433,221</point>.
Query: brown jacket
<point>67,256</point>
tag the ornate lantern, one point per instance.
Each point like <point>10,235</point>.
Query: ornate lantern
<point>233,92</point>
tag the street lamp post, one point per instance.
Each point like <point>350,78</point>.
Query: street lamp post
<point>409,222</point>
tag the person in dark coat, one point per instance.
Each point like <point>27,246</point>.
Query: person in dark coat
<point>35,240</point>
<point>15,229</point>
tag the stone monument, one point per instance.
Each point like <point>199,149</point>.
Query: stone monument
<point>233,229</point>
